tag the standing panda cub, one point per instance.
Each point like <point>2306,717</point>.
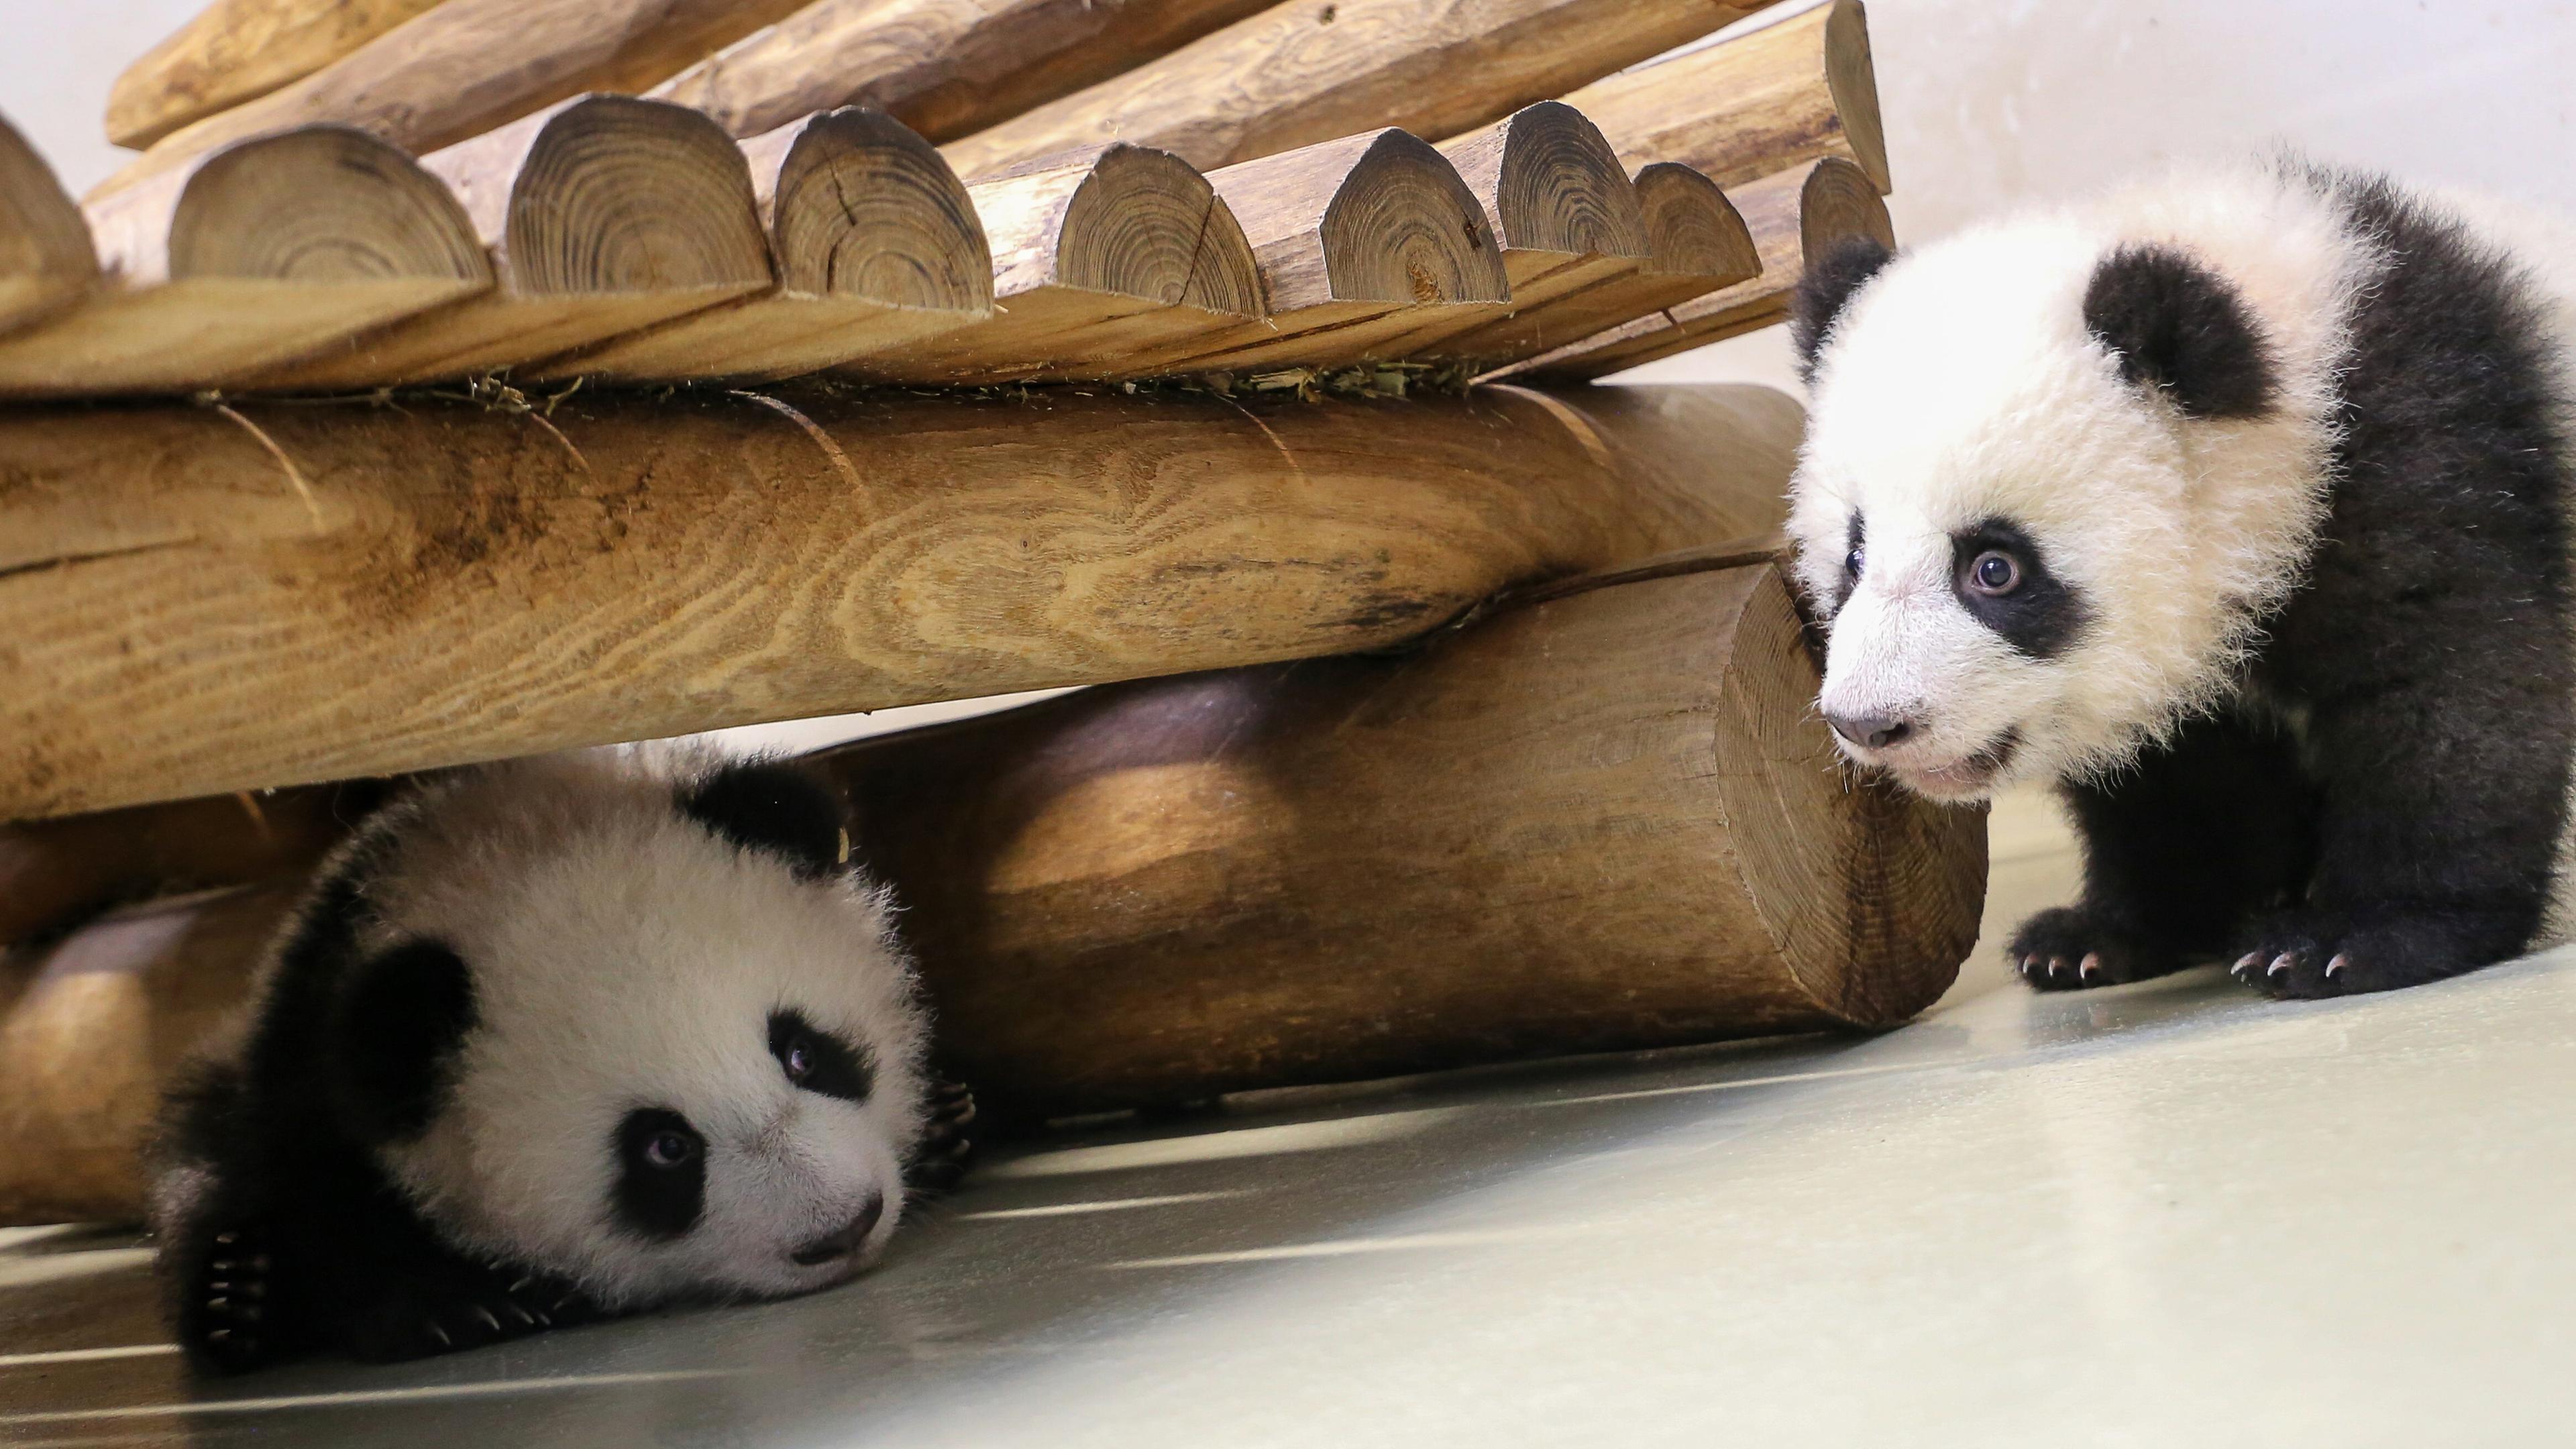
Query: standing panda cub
<point>2236,505</point>
<point>548,1040</point>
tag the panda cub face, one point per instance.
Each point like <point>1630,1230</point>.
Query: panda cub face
<point>676,1050</point>
<point>2056,470</point>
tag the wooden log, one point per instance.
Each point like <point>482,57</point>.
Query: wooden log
<point>1109,254</point>
<point>55,872</point>
<point>239,50</point>
<point>603,216</point>
<point>46,263</point>
<point>1758,104</point>
<point>256,255</point>
<point>875,244</point>
<point>200,602</point>
<point>1603,822</point>
<point>1302,73</point>
<point>1696,244</point>
<point>1364,243</point>
<point>1565,219</point>
<point>92,1028</point>
<point>944,67</point>
<point>1793,216</point>
<point>468,66</point>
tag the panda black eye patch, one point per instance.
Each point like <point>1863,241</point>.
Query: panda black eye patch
<point>661,1173</point>
<point>817,1060</point>
<point>2001,579</point>
<point>1855,556</point>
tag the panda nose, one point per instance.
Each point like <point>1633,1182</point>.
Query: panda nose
<point>844,1240</point>
<point>1870,731</point>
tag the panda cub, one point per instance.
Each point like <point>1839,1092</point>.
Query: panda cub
<point>2236,504</point>
<point>548,1040</point>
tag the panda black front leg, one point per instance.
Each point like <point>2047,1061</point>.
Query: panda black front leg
<point>2180,850</point>
<point>2437,837</point>
<point>947,1144</point>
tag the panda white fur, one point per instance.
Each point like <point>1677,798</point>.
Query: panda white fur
<point>2235,503</point>
<point>546,1040</point>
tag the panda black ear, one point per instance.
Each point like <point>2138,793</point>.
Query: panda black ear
<point>1825,289</point>
<point>2178,326</point>
<point>761,805</point>
<point>396,1022</point>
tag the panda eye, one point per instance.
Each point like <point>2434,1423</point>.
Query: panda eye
<point>1994,572</point>
<point>1852,562</point>
<point>814,1060</point>
<point>799,1060</point>
<point>669,1149</point>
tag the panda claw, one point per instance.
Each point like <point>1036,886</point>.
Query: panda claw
<point>227,1239</point>
<point>2334,968</point>
<point>443,1340</point>
<point>2090,966</point>
<point>2283,962</point>
<point>490,1320</point>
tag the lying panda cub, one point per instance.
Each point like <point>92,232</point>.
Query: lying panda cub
<point>2235,504</point>
<point>547,1040</point>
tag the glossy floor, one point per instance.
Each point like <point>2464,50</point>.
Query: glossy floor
<point>2167,1214</point>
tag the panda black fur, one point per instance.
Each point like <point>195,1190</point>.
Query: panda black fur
<point>2236,503</point>
<point>548,1040</point>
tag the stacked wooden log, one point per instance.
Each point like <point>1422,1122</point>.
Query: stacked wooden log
<point>940,192</point>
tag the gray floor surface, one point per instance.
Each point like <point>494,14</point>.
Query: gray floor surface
<point>2163,1214</point>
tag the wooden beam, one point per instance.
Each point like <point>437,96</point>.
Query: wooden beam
<point>603,216</point>
<point>94,1026</point>
<point>202,601</point>
<point>1300,73</point>
<point>1363,243</point>
<point>1793,216</point>
<point>239,50</point>
<point>467,66</point>
<point>875,242</point>
<point>46,263</point>
<point>1107,254</point>
<point>1756,105</point>
<point>945,67</point>
<point>1603,822</point>
<point>253,256</point>
<point>1696,244</point>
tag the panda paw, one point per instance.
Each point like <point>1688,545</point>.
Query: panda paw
<point>2311,955</point>
<point>421,1320</point>
<point>948,1145</point>
<point>2067,949</point>
<point>228,1327</point>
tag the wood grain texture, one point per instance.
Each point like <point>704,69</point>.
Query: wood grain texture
<point>56,873</point>
<point>258,254</point>
<point>1363,243</point>
<point>239,50</point>
<point>1697,243</point>
<point>1755,105</point>
<point>1109,254</point>
<point>1792,216</point>
<point>1312,70</point>
<point>944,67</point>
<point>196,602</point>
<point>46,263</point>
<point>468,66</point>
<point>92,1028</point>
<point>603,215</point>
<point>1604,822</point>
<point>875,245</point>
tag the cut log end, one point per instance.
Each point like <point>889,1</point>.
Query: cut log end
<point>45,257</point>
<point>1838,200</point>
<point>1145,223</point>
<point>624,195</point>
<point>1853,82</point>
<point>1870,896</point>
<point>317,204</point>
<point>1552,182</point>
<point>861,206</point>
<point>1402,227</point>
<point>1692,230</point>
